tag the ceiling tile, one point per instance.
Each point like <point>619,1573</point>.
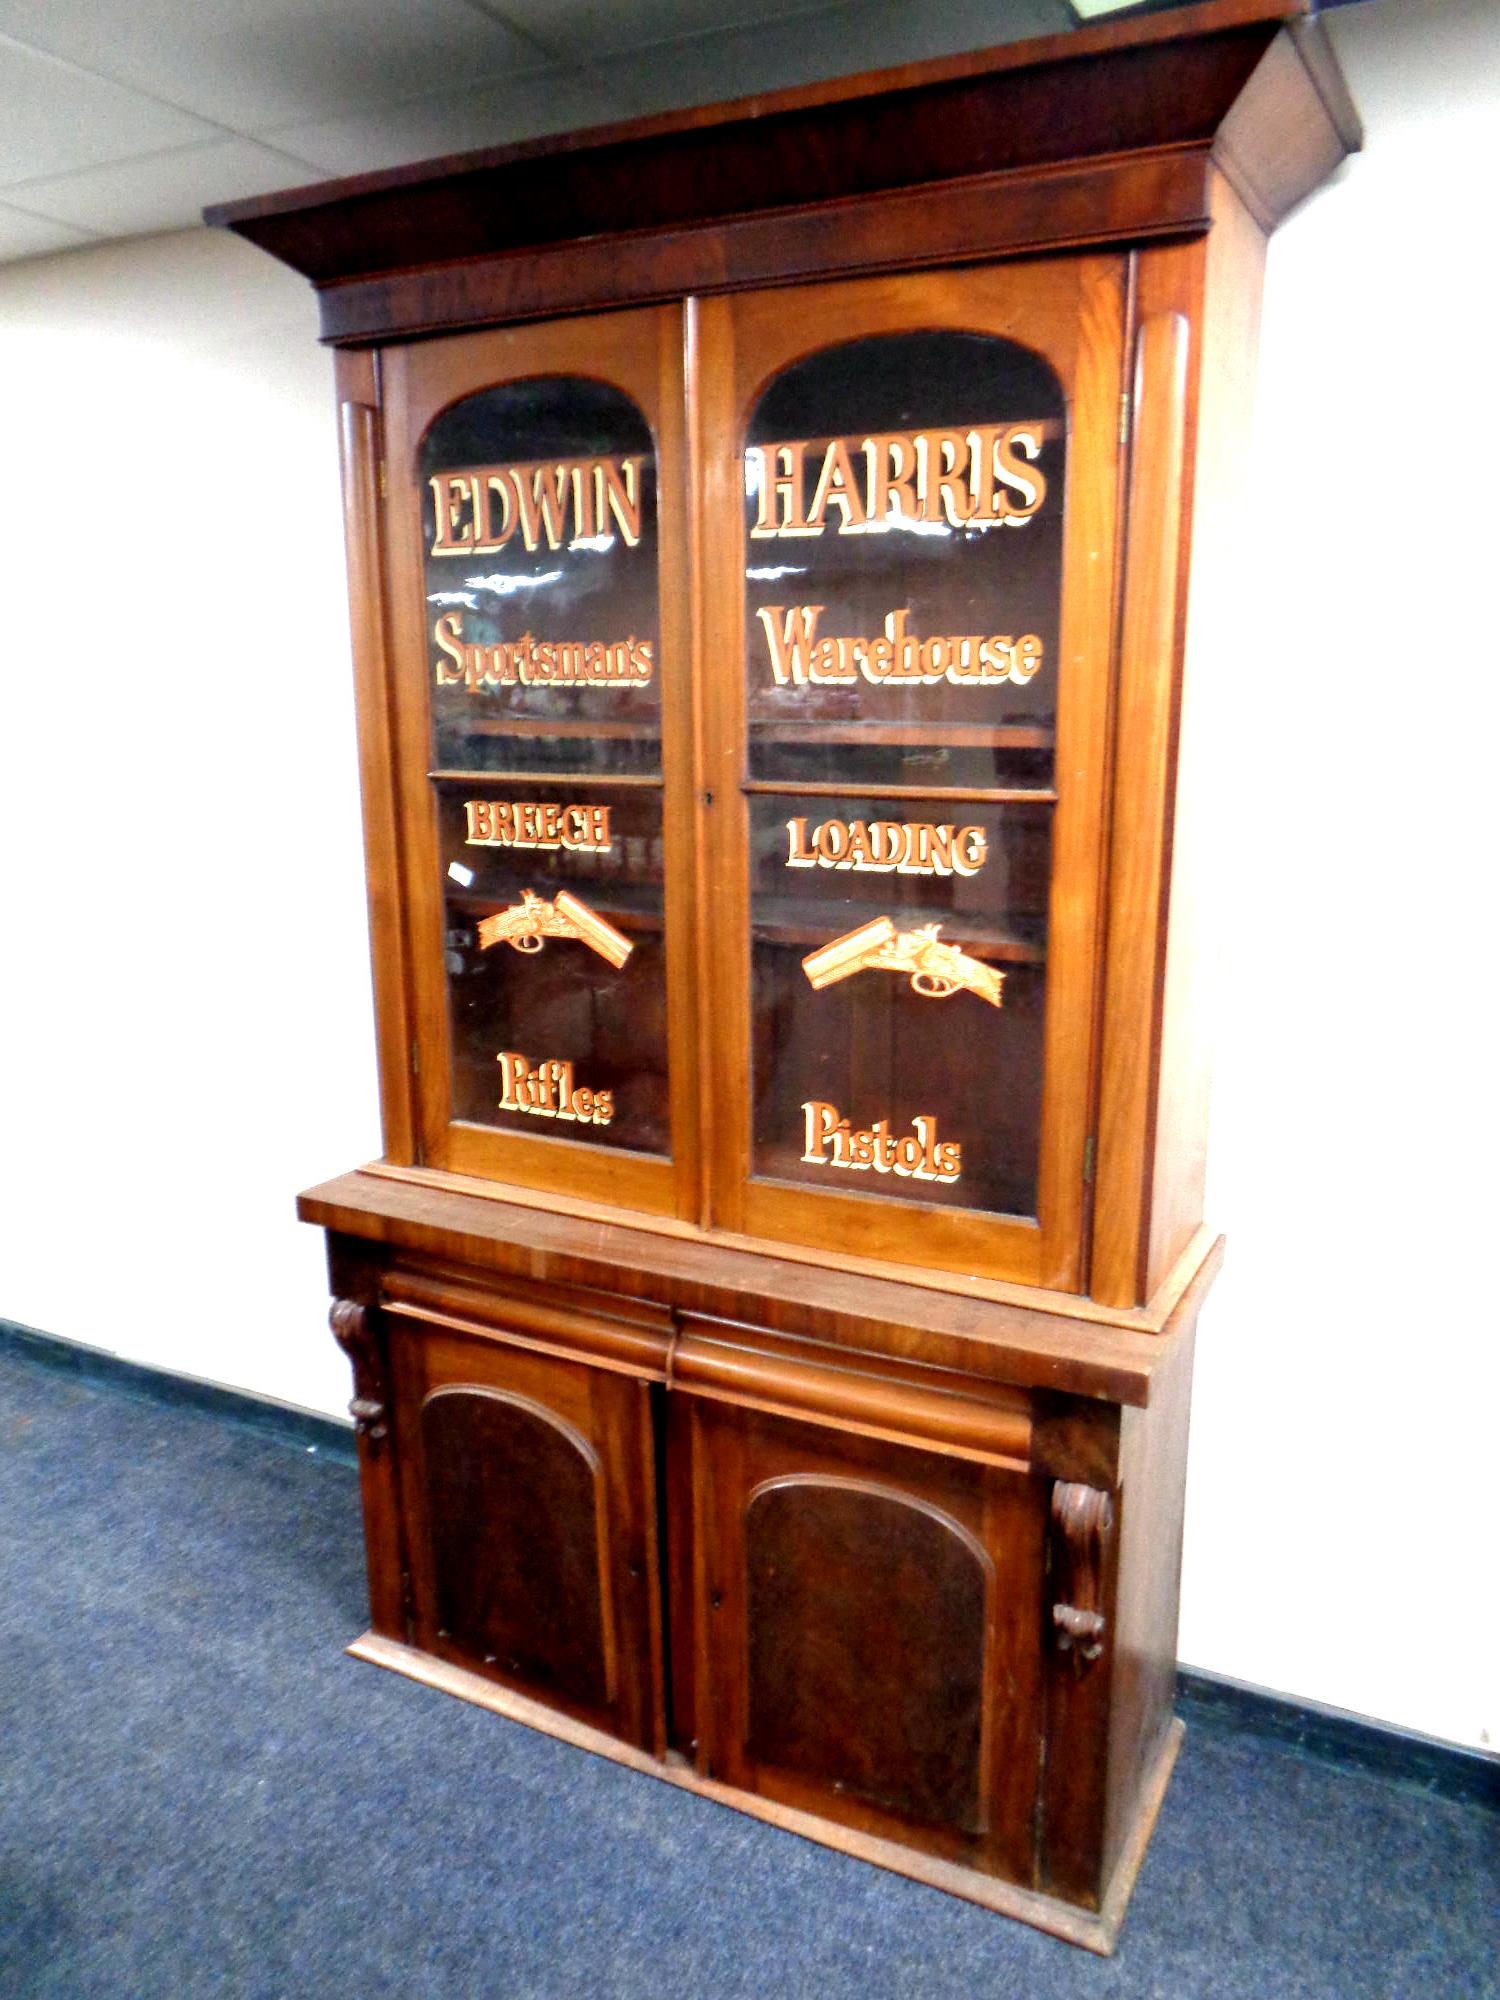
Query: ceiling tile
<point>30,236</point>
<point>583,29</point>
<point>899,31</point>
<point>53,117</point>
<point>164,190</point>
<point>870,34</point>
<point>255,63</point>
<point>420,130</point>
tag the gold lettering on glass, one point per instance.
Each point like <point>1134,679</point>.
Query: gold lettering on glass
<point>983,477</point>
<point>546,1089</point>
<point>800,658</point>
<point>478,510</point>
<point>886,846</point>
<point>506,823</point>
<point>830,1140</point>
<point>526,926</point>
<point>532,662</point>
<point>935,970</point>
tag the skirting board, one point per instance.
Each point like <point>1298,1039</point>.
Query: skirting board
<point>1335,1736</point>
<point>1208,1701</point>
<point>307,1430</point>
<point>1095,1932</point>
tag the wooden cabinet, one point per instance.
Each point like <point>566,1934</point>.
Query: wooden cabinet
<point>784,541</point>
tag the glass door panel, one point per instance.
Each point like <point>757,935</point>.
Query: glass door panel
<point>898,970</point>
<point>549,752</point>
<point>922,615</point>
<point>539,527</point>
<point>554,941</point>
<point>903,601</point>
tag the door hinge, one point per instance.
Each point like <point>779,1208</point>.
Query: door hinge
<point>1088,1160</point>
<point>1124,427</point>
<point>382,478</point>
<point>416,1060</point>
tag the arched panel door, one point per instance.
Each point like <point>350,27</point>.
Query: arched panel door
<point>865,1631</point>
<point>541,682</point>
<point>865,1613</point>
<point>913,576</point>
<point>528,1591</point>
<point>528,1486</point>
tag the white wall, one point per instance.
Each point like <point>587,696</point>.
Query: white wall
<point>185,996</point>
<point>185,1001</point>
<point>1340,1539</point>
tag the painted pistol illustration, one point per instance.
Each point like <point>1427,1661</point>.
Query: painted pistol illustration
<point>935,969</point>
<point>526,926</point>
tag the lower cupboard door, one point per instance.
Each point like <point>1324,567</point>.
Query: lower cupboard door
<point>867,1632</point>
<point>528,1491</point>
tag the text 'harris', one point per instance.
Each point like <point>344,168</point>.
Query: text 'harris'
<point>985,477</point>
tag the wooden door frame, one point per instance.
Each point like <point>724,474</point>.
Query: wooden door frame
<point>638,352</point>
<point>1073,312</point>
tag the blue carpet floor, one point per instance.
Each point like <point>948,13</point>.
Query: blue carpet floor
<point>199,1794</point>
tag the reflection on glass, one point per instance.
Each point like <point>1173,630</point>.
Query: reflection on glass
<point>539,539</point>
<point>903,512</point>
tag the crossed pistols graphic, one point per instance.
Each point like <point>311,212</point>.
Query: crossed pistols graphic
<point>935,969</point>
<point>526,925</point>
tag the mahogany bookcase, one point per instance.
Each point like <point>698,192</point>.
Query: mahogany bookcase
<point>783,542</point>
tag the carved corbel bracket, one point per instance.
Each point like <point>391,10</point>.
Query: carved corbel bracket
<point>353,1332</point>
<point>1083,1521</point>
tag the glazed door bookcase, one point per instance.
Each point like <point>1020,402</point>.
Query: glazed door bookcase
<point>542,721</point>
<point>908,596</point>
<point>893,822</point>
<point>784,541</point>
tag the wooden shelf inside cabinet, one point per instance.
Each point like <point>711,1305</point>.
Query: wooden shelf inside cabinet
<point>938,794</point>
<point>640,911</point>
<point>916,735</point>
<point>802,920</point>
<point>562,726</point>
<point>781,1383</point>
<point>641,779</point>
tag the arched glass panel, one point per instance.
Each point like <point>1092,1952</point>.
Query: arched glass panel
<point>539,522</point>
<point>904,516</point>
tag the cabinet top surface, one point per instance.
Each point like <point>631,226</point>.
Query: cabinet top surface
<point>1170,80</point>
<point>1078,1348</point>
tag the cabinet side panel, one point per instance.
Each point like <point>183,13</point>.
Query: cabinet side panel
<point>359,1327</point>
<point>1161,421</point>
<point>360,451</point>
<point>1217,636</point>
<point>1152,1478</point>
